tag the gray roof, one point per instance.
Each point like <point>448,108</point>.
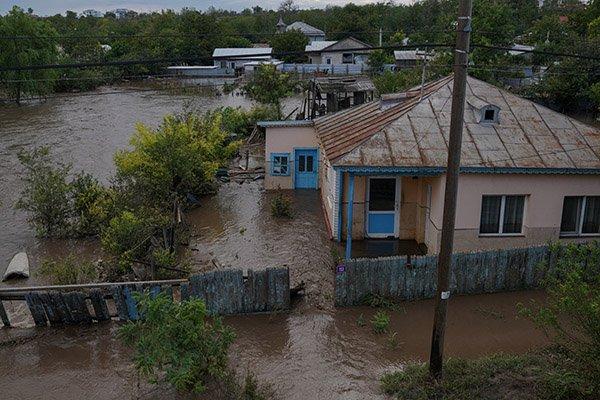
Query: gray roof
<point>305,28</point>
<point>414,133</point>
<point>319,45</point>
<point>408,55</point>
<point>284,123</point>
<point>244,52</point>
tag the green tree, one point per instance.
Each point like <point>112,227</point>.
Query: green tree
<point>290,41</point>
<point>378,58</point>
<point>179,158</point>
<point>269,86</point>
<point>178,343</point>
<point>41,47</point>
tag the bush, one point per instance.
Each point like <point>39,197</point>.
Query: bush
<point>57,206</point>
<point>281,206</point>
<point>178,343</point>
<point>572,315</point>
<point>69,271</point>
<point>380,322</point>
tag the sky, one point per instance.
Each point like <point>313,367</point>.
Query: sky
<point>51,7</point>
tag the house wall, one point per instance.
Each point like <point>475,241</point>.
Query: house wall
<point>543,207</point>
<point>328,182</point>
<point>285,140</point>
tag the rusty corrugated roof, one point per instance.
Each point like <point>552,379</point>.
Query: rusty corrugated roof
<point>414,132</point>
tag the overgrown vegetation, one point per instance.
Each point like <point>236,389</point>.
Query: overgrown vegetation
<point>567,370</point>
<point>180,345</point>
<point>68,271</point>
<point>138,217</point>
<point>281,206</point>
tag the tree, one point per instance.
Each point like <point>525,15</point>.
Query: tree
<point>178,159</point>
<point>269,86</point>
<point>378,58</point>
<point>41,47</point>
<point>178,343</point>
<point>290,41</point>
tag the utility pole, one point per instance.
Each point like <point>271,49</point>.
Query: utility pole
<point>380,37</point>
<point>461,60</point>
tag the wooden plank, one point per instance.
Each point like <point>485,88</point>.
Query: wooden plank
<point>131,303</point>
<point>99,304</point>
<point>119,299</point>
<point>36,308</point>
<point>249,296</point>
<point>52,312</point>
<point>63,312</point>
<point>77,306</point>
<point>4,315</point>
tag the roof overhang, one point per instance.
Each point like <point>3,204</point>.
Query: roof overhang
<point>285,123</point>
<point>435,171</point>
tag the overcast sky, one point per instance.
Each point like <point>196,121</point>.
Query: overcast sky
<point>51,7</point>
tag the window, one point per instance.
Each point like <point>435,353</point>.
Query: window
<point>502,215</point>
<point>280,164</point>
<point>580,216</point>
<point>347,58</point>
<point>305,163</point>
<point>328,60</point>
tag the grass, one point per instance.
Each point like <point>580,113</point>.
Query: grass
<point>380,322</point>
<point>544,375</point>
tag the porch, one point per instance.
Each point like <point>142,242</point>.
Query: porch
<point>386,212</point>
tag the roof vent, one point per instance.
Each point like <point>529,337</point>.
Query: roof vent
<point>489,114</point>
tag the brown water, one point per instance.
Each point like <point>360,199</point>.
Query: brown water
<point>308,354</point>
<point>313,352</point>
<point>84,131</point>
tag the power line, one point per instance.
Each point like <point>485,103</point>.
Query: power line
<point>277,54</point>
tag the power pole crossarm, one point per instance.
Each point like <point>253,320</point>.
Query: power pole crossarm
<point>461,59</point>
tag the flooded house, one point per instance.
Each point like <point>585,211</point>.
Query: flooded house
<point>528,174</point>
<point>346,51</point>
<point>235,58</point>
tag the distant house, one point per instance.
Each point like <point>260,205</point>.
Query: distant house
<point>409,58</point>
<point>345,51</point>
<point>528,174</point>
<point>235,58</point>
<point>313,34</point>
<point>92,13</point>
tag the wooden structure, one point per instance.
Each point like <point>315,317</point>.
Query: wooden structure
<point>331,94</point>
<point>405,278</point>
<point>224,292</point>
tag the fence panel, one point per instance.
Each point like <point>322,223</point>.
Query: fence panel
<point>480,272</point>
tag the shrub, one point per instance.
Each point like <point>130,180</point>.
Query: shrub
<point>281,206</point>
<point>572,315</point>
<point>69,271</point>
<point>178,343</point>
<point>380,322</point>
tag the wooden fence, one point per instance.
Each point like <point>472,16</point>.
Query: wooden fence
<point>225,292</point>
<point>481,272</point>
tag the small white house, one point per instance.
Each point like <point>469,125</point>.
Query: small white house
<point>235,58</point>
<point>345,51</point>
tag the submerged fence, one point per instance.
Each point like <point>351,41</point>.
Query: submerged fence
<point>225,292</point>
<point>481,272</point>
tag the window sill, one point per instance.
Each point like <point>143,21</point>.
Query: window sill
<point>496,235</point>
<point>577,235</point>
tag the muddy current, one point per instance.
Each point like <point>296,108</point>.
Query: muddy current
<point>312,352</point>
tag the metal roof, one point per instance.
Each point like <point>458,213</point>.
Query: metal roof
<point>319,45</point>
<point>413,132</point>
<point>243,51</point>
<point>305,28</point>
<point>408,55</point>
<point>285,123</point>
<point>357,83</point>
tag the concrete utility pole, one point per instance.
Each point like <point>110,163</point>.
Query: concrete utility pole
<point>380,37</point>
<point>461,59</point>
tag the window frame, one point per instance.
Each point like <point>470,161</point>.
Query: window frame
<point>501,216</point>
<point>272,169</point>
<point>582,204</point>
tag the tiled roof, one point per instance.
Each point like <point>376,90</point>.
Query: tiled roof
<point>414,132</point>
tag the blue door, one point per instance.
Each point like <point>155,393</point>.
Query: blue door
<point>382,207</point>
<point>305,170</point>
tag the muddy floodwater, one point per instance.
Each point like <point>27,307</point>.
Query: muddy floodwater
<point>306,354</point>
<point>313,352</point>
